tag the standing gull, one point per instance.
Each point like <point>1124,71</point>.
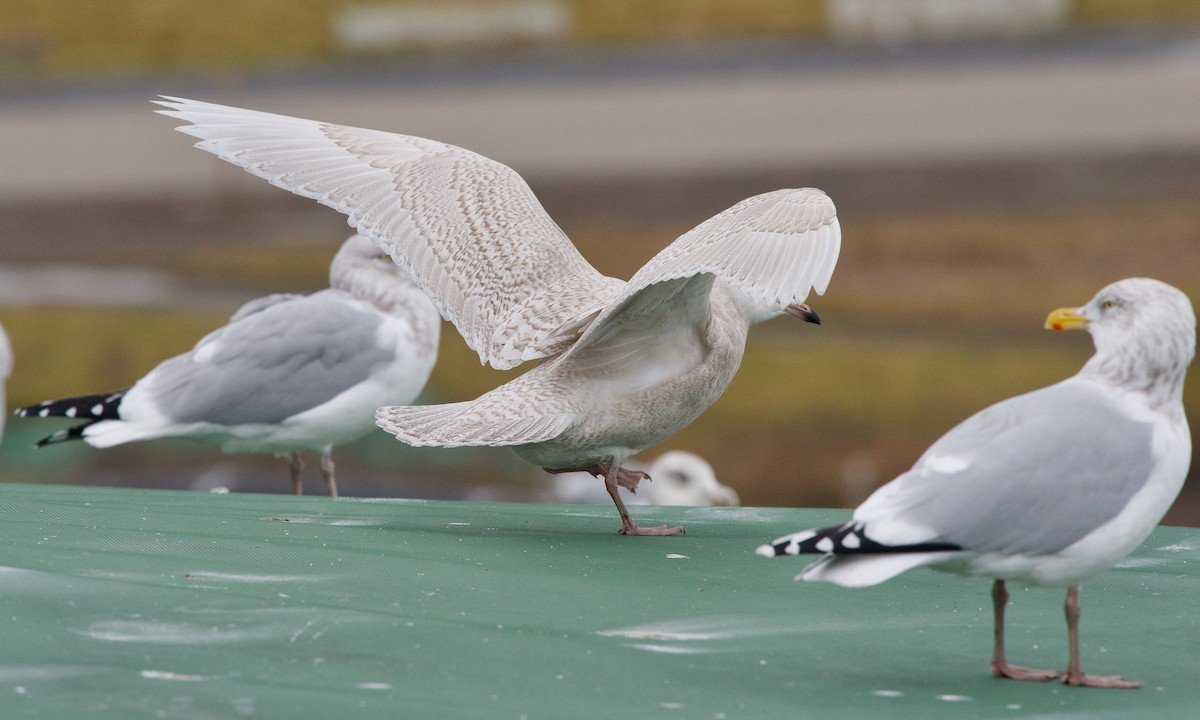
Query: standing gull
<point>624,364</point>
<point>288,373</point>
<point>1047,488</point>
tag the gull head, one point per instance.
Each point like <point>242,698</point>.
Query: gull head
<point>804,312</point>
<point>757,309</point>
<point>363,270</point>
<point>1144,331</point>
<point>684,478</point>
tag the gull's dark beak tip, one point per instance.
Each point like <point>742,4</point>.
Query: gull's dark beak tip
<point>805,313</point>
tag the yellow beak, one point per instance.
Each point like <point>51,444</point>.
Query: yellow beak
<point>1065,319</point>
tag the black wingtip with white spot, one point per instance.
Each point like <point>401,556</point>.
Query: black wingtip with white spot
<point>101,406</point>
<point>845,539</point>
<point>91,408</point>
<point>71,433</point>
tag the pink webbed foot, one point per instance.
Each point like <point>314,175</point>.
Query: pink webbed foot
<point>1015,672</point>
<point>1075,674</point>
<point>632,528</point>
<point>1099,681</point>
<point>629,479</point>
<point>1000,666</point>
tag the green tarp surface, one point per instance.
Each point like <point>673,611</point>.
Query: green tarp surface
<point>147,604</point>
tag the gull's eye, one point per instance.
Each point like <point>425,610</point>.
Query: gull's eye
<point>1108,305</point>
<point>385,257</point>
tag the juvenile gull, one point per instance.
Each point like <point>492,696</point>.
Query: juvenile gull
<point>1047,488</point>
<point>624,365</point>
<point>288,373</point>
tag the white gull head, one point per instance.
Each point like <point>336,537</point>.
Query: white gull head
<point>1144,331</point>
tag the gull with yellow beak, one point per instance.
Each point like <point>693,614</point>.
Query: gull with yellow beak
<point>1047,488</point>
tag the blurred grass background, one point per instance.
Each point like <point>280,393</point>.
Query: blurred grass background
<point>933,312</point>
<point>72,39</point>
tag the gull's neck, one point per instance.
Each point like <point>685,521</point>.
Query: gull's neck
<point>737,307</point>
<point>1126,367</point>
<point>395,295</point>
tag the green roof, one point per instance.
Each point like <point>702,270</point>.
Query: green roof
<point>150,603</point>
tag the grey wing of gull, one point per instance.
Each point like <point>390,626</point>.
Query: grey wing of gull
<point>1032,474</point>
<point>271,365</point>
<point>772,248</point>
<point>466,228</point>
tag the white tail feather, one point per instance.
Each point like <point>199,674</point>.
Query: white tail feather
<point>109,433</point>
<point>866,570</point>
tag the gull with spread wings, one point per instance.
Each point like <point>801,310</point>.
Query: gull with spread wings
<point>623,365</point>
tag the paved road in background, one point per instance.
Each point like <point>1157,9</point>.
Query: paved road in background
<point>580,116</point>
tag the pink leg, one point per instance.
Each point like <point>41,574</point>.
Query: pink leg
<point>297,467</point>
<point>614,477</point>
<point>1075,674</point>
<point>629,480</point>
<point>327,470</point>
<point>1000,666</point>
